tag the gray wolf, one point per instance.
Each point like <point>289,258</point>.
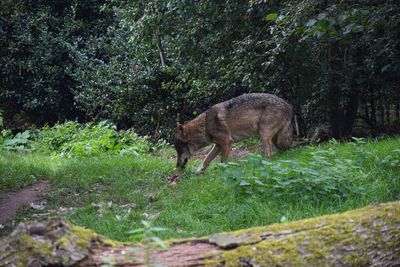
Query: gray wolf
<point>234,120</point>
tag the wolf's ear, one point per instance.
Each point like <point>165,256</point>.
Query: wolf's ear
<point>180,127</point>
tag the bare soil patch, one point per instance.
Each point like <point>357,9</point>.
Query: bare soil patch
<point>10,202</point>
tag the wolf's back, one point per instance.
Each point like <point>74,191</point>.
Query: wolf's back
<point>254,100</point>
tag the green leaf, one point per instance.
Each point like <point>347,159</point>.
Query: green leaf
<point>140,230</point>
<point>358,28</point>
<point>385,68</point>
<point>348,28</point>
<point>146,224</point>
<point>233,164</point>
<point>159,242</point>
<point>331,22</point>
<point>271,16</point>
<point>311,22</point>
<point>230,181</point>
<point>318,34</point>
<point>237,173</point>
<point>244,183</point>
<point>299,30</point>
<point>157,229</point>
<point>258,182</point>
<point>342,18</point>
<point>322,16</point>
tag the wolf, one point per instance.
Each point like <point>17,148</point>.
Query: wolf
<point>234,120</point>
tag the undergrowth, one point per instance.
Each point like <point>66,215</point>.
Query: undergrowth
<point>74,140</point>
<point>324,173</point>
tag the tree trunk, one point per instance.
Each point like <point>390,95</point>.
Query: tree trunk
<point>334,96</point>
<point>397,105</point>
<point>373,111</point>
<point>350,113</point>
<point>160,48</point>
<point>368,236</point>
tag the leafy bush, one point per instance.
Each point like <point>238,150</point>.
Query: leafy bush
<point>17,142</point>
<point>74,140</point>
<point>324,174</point>
<point>36,44</point>
<point>13,143</point>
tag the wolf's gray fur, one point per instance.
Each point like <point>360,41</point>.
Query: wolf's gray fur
<point>234,120</point>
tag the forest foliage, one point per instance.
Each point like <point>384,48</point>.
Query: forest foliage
<point>147,64</point>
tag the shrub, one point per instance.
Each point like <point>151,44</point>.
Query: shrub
<point>74,140</point>
<point>15,143</point>
<point>322,175</point>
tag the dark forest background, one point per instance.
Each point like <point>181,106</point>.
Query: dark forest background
<point>147,64</point>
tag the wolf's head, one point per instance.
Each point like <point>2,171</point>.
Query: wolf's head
<point>182,147</point>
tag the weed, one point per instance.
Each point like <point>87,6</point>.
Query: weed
<point>17,142</point>
<point>74,140</point>
<point>324,174</point>
<point>150,241</point>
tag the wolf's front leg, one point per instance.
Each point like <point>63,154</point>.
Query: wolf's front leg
<point>210,156</point>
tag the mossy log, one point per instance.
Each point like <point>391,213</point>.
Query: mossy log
<point>368,236</point>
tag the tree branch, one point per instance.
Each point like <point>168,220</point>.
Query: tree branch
<point>160,48</point>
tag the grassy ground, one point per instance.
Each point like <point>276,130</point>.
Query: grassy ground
<point>113,194</point>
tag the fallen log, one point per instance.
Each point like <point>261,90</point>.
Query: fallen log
<point>368,236</point>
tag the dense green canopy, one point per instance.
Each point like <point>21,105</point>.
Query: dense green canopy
<point>147,64</point>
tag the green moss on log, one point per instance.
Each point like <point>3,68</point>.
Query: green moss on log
<point>50,241</point>
<point>356,237</point>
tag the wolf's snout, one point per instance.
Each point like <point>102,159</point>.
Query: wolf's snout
<point>182,163</point>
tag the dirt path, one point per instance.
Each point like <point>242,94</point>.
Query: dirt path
<point>10,202</point>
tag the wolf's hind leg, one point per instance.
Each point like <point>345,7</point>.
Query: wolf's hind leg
<point>210,156</point>
<point>266,135</point>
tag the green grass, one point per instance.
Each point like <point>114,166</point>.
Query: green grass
<point>113,194</point>
<point>18,170</point>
